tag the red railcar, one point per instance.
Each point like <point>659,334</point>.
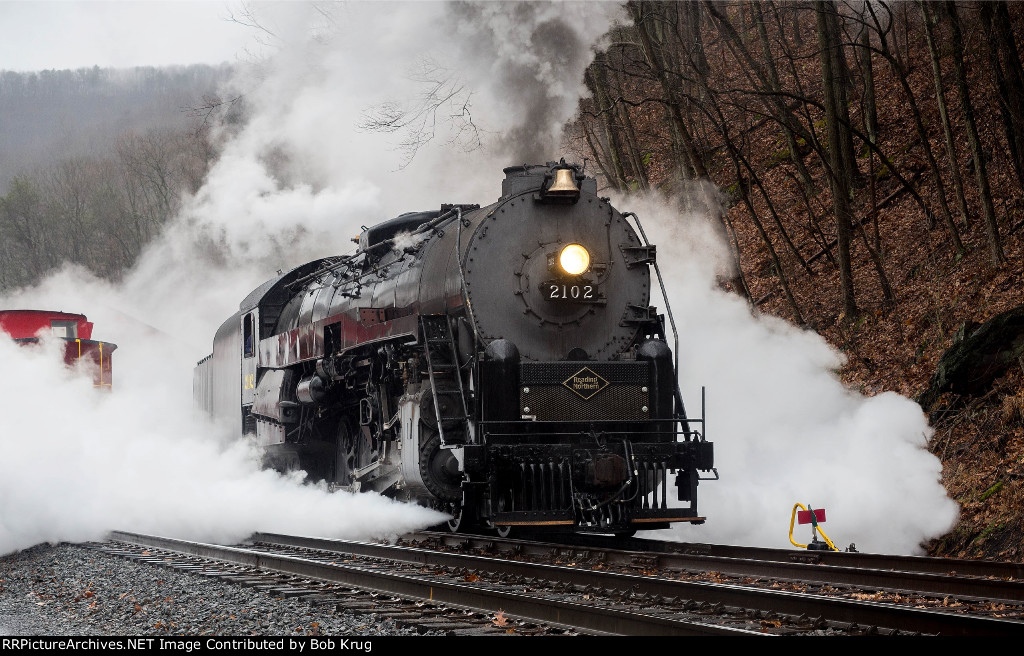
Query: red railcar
<point>26,325</point>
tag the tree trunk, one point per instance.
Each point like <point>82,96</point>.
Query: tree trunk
<point>1002,47</point>
<point>633,149</point>
<point>596,78</point>
<point>773,76</point>
<point>656,53</point>
<point>600,153</point>
<point>840,172</point>
<point>933,166</point>
<point>868,74</point>
<point>995,246</point>
<point>954,162</point>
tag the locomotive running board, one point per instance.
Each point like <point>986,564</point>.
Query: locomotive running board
<point>652,520</point>
<point>558,522</point>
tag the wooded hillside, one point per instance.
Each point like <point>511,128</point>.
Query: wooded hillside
<point>872,162</point>
<point>94,161</point>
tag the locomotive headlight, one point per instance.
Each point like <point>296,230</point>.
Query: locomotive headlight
<point>574,259</point>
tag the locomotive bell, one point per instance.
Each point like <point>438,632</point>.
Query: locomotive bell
<point>564,185</point>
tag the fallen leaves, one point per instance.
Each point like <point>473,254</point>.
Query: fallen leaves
<point>86,594</point>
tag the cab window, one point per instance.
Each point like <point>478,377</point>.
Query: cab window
<point>249,335</point>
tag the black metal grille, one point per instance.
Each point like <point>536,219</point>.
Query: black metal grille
<point>624,393</point>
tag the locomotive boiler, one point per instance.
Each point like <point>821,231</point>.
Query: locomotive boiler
<point>501,363</point>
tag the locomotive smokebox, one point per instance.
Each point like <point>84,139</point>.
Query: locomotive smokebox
<point>554,277</point>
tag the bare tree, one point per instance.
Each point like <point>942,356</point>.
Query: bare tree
<point>995,246</point>
<point>443,99</point>
<point>940,99</point>
<point>1009,73</point>
<point>900,72</point>
<point>652,22</point>
<point>836,120</point>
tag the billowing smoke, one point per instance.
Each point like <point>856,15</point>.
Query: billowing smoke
<point>296,181</point>
<point>530,58</point>
<point>785,429</point>
<point>78,461</point>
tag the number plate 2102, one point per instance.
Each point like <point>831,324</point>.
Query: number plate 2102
<point>571,293</point>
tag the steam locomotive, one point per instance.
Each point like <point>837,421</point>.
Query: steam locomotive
<point>499,363</point>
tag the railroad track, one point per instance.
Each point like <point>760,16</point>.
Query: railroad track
<point>858,572</point>
<point>478,585</point>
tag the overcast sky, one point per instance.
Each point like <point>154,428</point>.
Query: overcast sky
<point>37,35</point>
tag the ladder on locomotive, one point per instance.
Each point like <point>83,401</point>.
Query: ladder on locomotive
<point>445,379</point>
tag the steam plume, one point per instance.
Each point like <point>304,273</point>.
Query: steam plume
<point>296,181</point>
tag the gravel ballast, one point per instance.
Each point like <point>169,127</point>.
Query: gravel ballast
<point>69,590</point>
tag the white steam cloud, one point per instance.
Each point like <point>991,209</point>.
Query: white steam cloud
<point>77,462</point>
<point>296,181</point>
<point>785,429</point>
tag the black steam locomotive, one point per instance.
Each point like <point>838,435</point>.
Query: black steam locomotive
<point>502,364</point>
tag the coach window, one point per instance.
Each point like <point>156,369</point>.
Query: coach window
<point>247,329</point>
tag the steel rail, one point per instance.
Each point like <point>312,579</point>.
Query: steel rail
<point>569,614</point>
<point>921,564</point>
<point>837,609</point>
<point>938,576</point>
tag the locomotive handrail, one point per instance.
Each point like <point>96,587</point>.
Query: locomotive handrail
<point>462,280</point>
<point>664,293</point>
<point>671,320</point>
<point>595,421</point>
<point>691,435</point>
